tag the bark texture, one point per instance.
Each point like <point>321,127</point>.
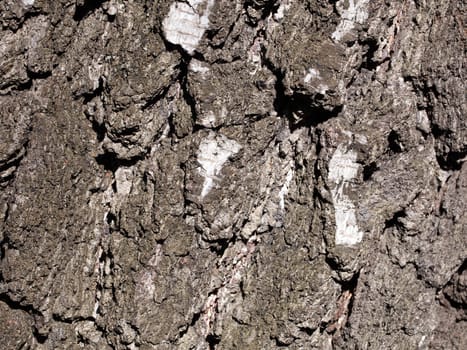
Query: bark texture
<point>233,174</point>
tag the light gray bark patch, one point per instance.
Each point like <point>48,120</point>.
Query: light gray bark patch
<point>186,23</point>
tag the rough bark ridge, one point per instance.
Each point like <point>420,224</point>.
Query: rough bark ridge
<point>233,174</point>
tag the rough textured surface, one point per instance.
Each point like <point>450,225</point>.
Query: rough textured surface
<point>233,174</point>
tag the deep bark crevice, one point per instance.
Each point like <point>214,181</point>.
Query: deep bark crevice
<point>212,341</point>
<point>220,246</point>
<point>394,142</point>
<point>452,160</point>
<point>18,305</point>
<point>369,61</point>
<point>111,162</point>
<point>369,170</point>
<point>300,109</point>
<point>99,129</point>
<point>350,286</point>
<point>453,289</point>
<point>394,220</point>
<point>86,9</point>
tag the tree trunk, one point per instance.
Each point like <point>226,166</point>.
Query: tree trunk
<point>233,174</point>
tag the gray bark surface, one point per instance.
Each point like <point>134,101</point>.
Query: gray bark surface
<point>233,174</point>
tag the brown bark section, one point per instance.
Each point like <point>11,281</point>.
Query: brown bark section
<point>156,197</point>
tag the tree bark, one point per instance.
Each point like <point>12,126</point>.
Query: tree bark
<point>233,174</point>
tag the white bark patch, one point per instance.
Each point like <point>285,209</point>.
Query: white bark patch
<point>254,55</point>
<point>312,74</point>
<point>28,2</point>
<point>285,188</point>
<point>96,304</point>
<point>342,169</point>
<point>423,122</point>
<point>123,178</point>
<point>186,23</point>
<point>213,152</point>
<point>196,66</point>
<point>355,12</point>
<point>280,14</point>
<point>95,70</point>
<point>208,120</point>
